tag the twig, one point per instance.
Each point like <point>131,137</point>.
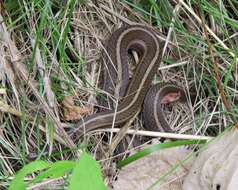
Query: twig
<point>157,134</point>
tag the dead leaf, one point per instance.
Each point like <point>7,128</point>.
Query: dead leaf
<point>216,166</point>
<point>4,107</point>
<point>73,112</point>
<point>142,173</point>
<point>3,91</point>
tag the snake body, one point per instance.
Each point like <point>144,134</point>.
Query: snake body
<point>153,115</point>
<point>143,40</point>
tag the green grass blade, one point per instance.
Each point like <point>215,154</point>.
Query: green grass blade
<point>155,148</point>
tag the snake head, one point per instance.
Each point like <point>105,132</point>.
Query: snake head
<point>171,97</point>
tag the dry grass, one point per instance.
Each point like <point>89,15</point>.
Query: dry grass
<point>36,73</point>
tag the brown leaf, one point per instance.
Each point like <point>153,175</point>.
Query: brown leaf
<point>216,166</point>
<point>141,174</point>
<point>4,107</point>
<point>73,112</point>
<point>3,91</point>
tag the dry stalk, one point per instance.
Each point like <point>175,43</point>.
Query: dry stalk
<point>216,69</point>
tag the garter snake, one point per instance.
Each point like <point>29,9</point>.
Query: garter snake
<point>144,41</point>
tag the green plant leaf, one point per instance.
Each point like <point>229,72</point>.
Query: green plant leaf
<point>87,175</point>
<point>18,182</point>
<point>57,169</point>
<point>155,148</point>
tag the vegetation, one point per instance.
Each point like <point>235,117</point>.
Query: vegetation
<point>50,55</point>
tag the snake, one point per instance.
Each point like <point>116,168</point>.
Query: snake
<point>136,92</point>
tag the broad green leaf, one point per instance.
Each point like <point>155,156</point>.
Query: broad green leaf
<point>87,175</point>
<point>18,182</point>
<point>57,169</point>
